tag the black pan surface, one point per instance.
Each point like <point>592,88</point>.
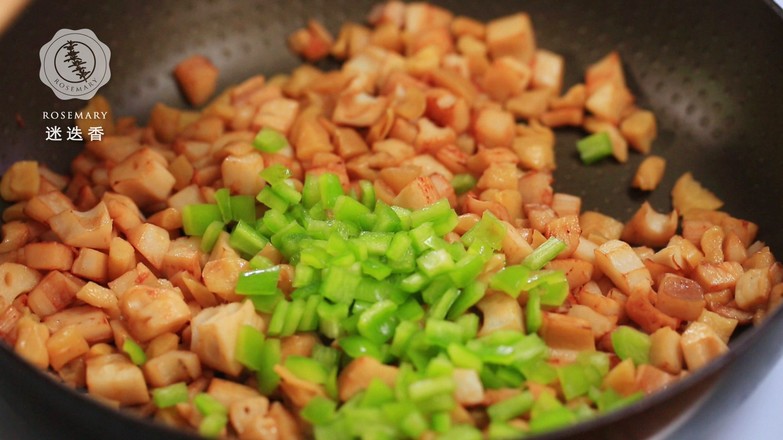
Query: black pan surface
<point>710,70</point>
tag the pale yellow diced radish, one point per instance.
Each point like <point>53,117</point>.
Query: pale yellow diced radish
<point>469,390</point>
<point>242,413</point>
<point>418,194</point>
<point>494,128</point>
<point>535,152</point>
<point>567,116</point>
<point>241,173</point>
<point>150,241</point>
<point>42,207</point>
<point>215,331</point>
<point>650,379</point>
<point>617,260</point>
<point>91,322</point>
<point>16,279</point>
<point>574,97</point>
<point>312,43</point>
<point>711,243</point>
<point>114,377</point>
<point>640,130</point>
<point>144,177</point>
<point>189,195</point>
<point>648,227</point>
<point>101,297</point>
<point>529,104</point>
<point>567,230</point>
<point>162,344</point>
<point>567,332</point>
<point>716,277</point>
<point>752,289</point>
<point>21,181</point>
<point>608,102</point>
<point>197,77</point>
<point>31,342</point>
<point>511,36</point>
<point>596,224</point>
<point>91,264</point>
<point>500,312</point>
<point>665,350</point>
<point>505,78</point>
<point>599,323</point>
<point>220,276</point>
<point>123,211</point>
<point>53,293</point>
<point>621,378</point>
<point>172,367</point>
<point>64,346</point>
<point>724,327</point>
<point>169,219</point>
<point>359,373</point>
<point>295,390</point>
<point>680,297</point>
<point>514,245</point>
<point>649,173</point>
<point>679,254</point>
<point>114,148</point>
<point>688,194</point>
<point>548,70</point>
<point>122,258</point>
<point>151,311</point>
<point>641,310</point>
<point>701,344</point>
<point>566,204</point>
<point>90,229</point>
<point>608,69</point>
<point>359,109</point>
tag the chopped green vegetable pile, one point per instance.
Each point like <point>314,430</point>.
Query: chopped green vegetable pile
<point>382,281</point>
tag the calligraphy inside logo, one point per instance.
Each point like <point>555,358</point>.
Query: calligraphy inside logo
<point>74,62</point>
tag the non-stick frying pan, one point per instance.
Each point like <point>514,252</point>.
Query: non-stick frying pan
<point>711,71</point>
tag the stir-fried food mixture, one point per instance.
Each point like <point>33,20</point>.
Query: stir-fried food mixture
<point>375,251</point>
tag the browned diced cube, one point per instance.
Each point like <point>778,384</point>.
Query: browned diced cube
<point>55,292</point>
<point>114,377</point>
<point>151,311</point>
<point>567,332</point>
<point>511,36</point>
<point>197,77</point>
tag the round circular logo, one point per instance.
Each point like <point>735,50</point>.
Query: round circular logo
<point>75,64</point>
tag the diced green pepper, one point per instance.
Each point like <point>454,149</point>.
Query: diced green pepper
<point>212,425</point>
<point>206,405</point>
<point>269,140</point>
<point>249,347</point>
<point>134,351</point>
<point>319,410</point>
<point>246,240</point>
<point>512,407</point>
<point>306,368</point>
<point>275,173</point>
<point>631,343</point>
<point>258,282</point>
<point>196,218</point>
<point>378,322</point>
<point>223,202</point>
<point>268,379</point>
<point>170,395</point>
<point>243,209</point>
<point>463,183</point>
<point>544,253</point>
<point>594,147</point>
